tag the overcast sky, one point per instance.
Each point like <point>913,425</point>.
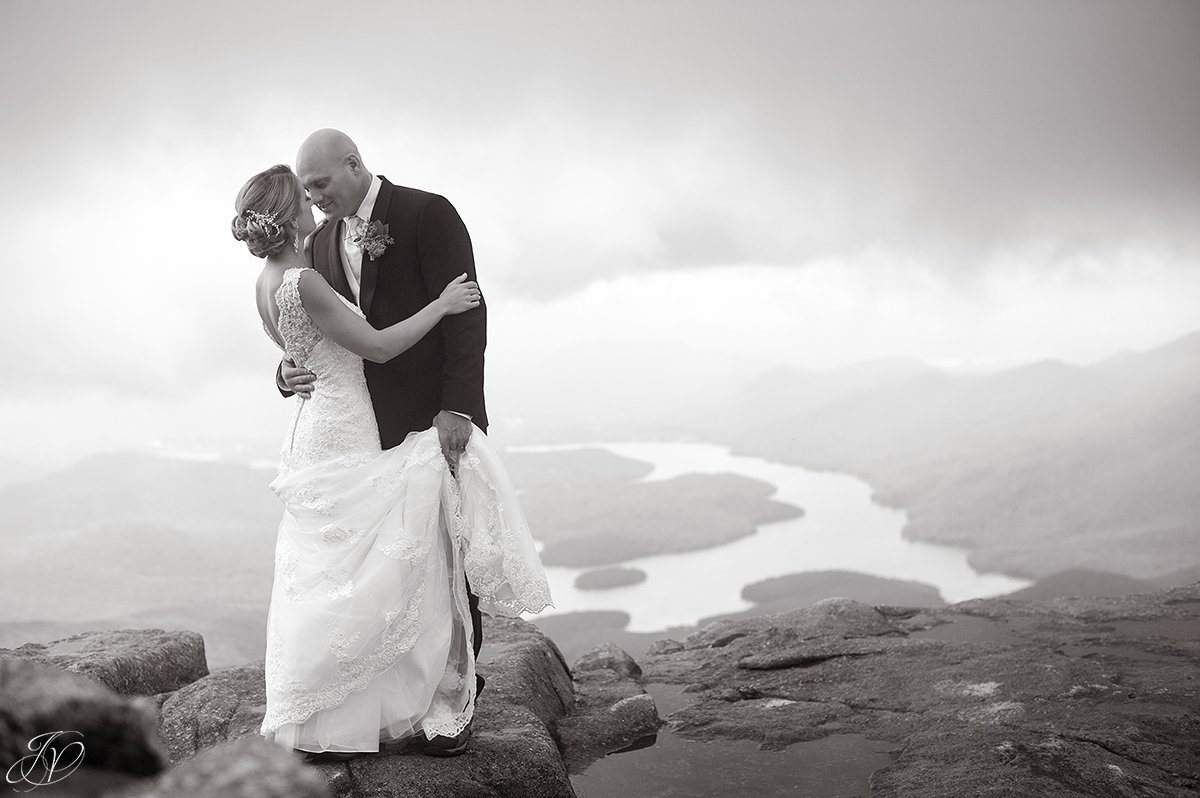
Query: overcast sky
<point>722,187</point>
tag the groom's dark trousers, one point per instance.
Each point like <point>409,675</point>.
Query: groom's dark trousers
<point>442,371</point>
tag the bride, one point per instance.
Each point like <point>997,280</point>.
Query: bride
<point>369,632</point>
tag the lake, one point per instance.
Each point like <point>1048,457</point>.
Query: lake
<point>842,529</point>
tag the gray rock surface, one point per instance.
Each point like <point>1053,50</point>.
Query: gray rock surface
<point>249,767</point>
<point>524,668</point>
<point>129,661</point>
<point>115,735</point>
<point>201,739</point>
<point>227,704</point>
<point>1071,697</point>
<point>608,657</point>
<point>613,710</point>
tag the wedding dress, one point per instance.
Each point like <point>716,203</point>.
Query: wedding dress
<point>369,629</point>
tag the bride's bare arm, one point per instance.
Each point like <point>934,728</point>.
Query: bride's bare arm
<point>353,332</point>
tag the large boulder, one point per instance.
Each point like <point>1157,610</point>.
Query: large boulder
<point>612,712</point>
<point>227,704</point>
<point>1070,697</point>
<point>512,752</point>
<point>524,668</point>
<point>249,767</point>
<point>98,736</point>
<point>128,661</point>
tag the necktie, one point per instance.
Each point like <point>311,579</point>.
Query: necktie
<point>354,226</point>
<point>353,251</point>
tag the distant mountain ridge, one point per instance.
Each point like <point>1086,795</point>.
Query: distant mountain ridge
<point>138,488</point>
<point>122,532</point>
<point>1037,469</point>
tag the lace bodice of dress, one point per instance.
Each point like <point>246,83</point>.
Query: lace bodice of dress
<point>337,423</point>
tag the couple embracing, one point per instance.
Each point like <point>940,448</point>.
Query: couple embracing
<point>400,524</point>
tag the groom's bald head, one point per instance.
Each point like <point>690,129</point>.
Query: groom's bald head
<point>332,172</point>
<point>326,143</point>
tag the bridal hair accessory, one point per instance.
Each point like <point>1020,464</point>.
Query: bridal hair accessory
<point>261,219</point>
<point>372,238</point>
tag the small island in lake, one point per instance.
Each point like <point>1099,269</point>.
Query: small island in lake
<point>608,578</point>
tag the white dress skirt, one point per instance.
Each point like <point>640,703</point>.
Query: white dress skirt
<point>369,631</point>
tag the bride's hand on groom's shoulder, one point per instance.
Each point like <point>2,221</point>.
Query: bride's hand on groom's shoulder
<point>459,295</point>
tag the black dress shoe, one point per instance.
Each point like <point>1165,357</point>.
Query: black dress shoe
<point>449,746</point>
<point>330,756</point>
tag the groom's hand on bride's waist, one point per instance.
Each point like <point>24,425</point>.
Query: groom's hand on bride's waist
<point>294,379</point>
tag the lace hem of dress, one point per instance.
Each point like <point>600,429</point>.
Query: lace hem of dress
<point>296,704</point>
<point>452,727</point>
<point>499,542</point>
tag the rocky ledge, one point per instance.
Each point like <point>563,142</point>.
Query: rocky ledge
<point>1071,697</point>
<point>154,722</point>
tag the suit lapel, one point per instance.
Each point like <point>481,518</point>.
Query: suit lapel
<point>370,268</point>
<point>327,252</point>
<point>343,265</point>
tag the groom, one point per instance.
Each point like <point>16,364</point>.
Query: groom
<point>438,380</point>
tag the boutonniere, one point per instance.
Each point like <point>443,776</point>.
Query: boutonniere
<point>372,238</point>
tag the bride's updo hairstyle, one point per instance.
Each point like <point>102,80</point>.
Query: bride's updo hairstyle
<point>267,207</point>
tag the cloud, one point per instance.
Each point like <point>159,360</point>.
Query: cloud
<point>670,135</point>
<point>982,163</point>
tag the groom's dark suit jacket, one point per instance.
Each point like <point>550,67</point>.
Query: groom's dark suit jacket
<point>444,370</point>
